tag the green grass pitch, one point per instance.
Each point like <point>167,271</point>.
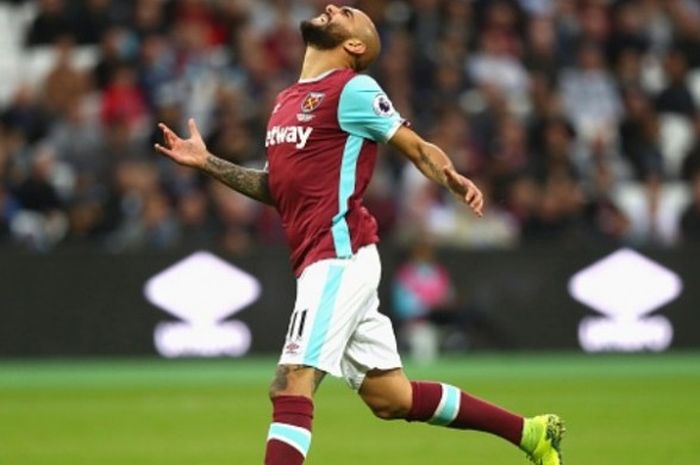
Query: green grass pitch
<point>637,410</point>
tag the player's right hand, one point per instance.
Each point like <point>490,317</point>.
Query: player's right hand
<point>465,190</point>
<point>189,152</point>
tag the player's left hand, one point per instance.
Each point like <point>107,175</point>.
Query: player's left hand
<point>466,190</point>
<point>190,152</point>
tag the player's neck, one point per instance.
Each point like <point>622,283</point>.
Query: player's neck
<point>318,62</point>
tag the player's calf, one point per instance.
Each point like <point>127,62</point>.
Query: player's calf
<point>387,393</point>
<point>390,394</point>
<point>291,392</point>
<point>441,404</point>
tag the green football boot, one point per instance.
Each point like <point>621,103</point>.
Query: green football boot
<point>542,437</point>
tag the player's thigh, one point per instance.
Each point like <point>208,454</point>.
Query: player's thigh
<point>387,393</point>
<point>332,296</point>
<point>372,349</point>
<point>296,380</point>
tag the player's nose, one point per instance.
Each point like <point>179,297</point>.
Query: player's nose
<point>331,9</point>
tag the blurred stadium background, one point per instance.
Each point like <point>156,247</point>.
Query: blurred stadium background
<point>578,118</point>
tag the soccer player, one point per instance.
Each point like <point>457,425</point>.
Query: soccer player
<point>321,146</point>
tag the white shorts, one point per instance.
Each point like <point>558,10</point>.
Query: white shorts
<point>336,326</point>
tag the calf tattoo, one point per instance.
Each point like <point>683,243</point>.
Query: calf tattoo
<point>281,380</point>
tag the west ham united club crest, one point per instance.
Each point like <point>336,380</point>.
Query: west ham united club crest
<point>309,104</point>
<point>312,101</point>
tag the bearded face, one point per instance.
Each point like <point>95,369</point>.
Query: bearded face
<point>323,36</point>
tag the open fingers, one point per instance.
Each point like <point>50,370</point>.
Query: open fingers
<point>471,194</point>
<point>168,134</point>
<point>479,206</point>
<point>475,199</point>
<point>164,150</point>
<point>194,130</point>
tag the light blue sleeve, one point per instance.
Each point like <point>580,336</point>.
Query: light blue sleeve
<point>364,110</point>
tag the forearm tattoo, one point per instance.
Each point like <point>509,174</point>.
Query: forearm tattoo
<point>430,169</point>
<point>250,182</point>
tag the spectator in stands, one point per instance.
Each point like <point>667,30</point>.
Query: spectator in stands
<point>690,221</point>
<point>156,70</point>
<point>629,69</point>
<point>676,96</point>
<point>589,93</point>
<point>394,67</point>
<point>51,22</point>
<point>639,135</point>
<point>149,18</point>
<point>523,201</point>
<point>686,29</point>
<point>77,138</point>
<point>594,23</point>
<point>423,297</point>
<point>91,19</point>
<point>197,223</point>
<point>652,222</point>
<point>691,162</point>
<point>558,212</point>
<point>556,156</point>
<point>7,207</point>
<point>123,101</point>
<point>603,219</point>
<point>40,222</point>
<point>628,34</point>
<point>509,151</point>
<point>64,85</point>
<point>142,212</point>
<point>116,49</point>
<point>542,55</point>
<point>495,63</point>
<point>230,138</point>
<point>26,115</point>
<point>236,215</point>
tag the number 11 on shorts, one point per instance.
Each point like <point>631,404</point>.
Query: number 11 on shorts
<point>296,324</point>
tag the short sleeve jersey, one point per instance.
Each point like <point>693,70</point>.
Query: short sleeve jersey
<point>321,147</point>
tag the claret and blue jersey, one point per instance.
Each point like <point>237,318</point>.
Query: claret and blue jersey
<point>321,147</point>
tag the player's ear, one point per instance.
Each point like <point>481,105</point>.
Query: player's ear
<point>355,47</point>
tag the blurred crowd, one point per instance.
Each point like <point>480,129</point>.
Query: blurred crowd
<point>578,119</point>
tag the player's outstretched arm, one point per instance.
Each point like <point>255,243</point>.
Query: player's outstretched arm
<point>436,165</point>
<point>193,152</point>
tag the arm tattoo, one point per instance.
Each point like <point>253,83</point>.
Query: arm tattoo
<point>431,170</point>
<point>249,182</point>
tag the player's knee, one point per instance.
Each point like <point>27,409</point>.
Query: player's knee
<point>387,409</point>
<point>389,412</point>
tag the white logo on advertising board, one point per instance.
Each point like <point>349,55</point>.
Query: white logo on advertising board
<point>202,290</point>
<point>625,287</point>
